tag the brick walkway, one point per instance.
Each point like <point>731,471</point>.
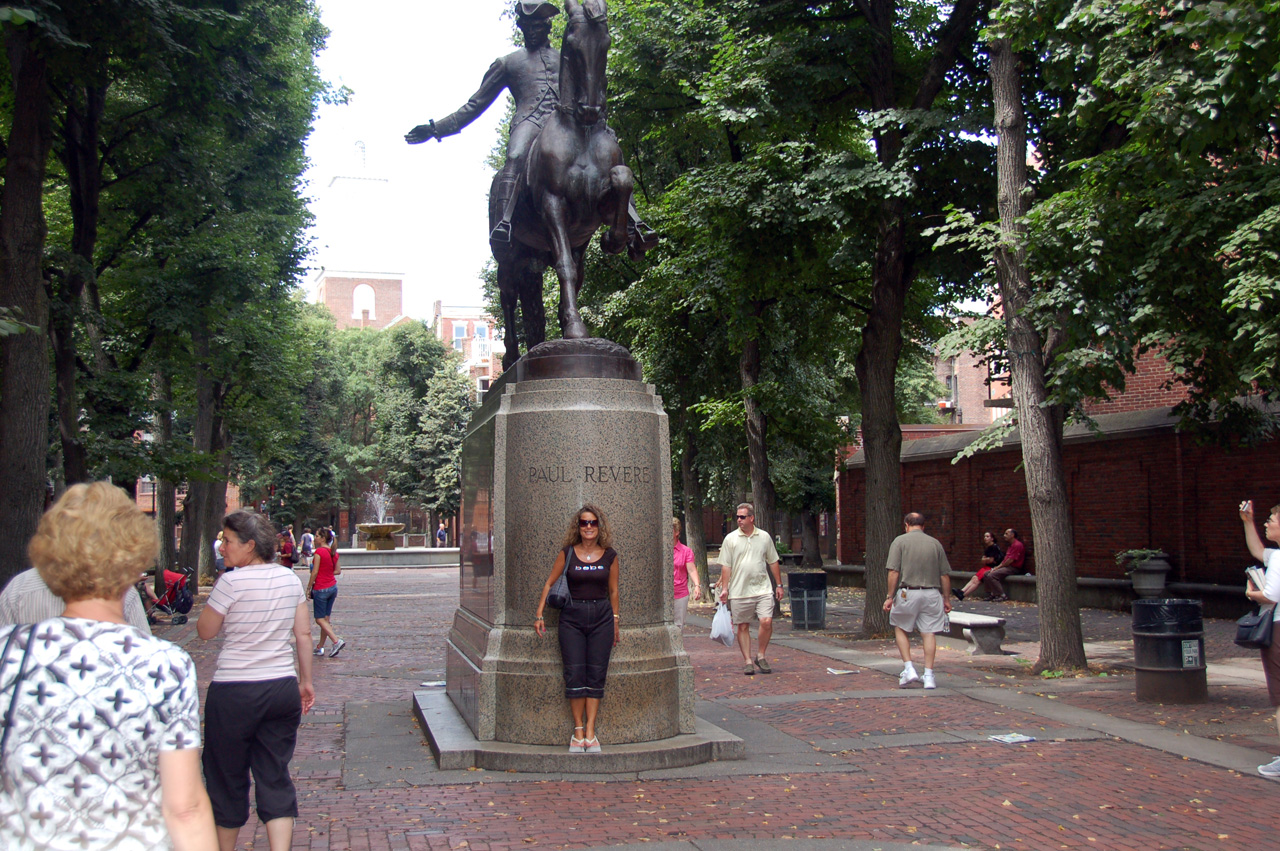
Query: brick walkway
<point>831,756</point>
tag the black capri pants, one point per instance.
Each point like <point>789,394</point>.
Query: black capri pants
<point>251,726</point>
<point>586,640</point>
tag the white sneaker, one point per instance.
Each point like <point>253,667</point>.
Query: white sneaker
<point>1271,769</point>
<point>907,677</point>
<point>928,680</point>
<point>319,651</point>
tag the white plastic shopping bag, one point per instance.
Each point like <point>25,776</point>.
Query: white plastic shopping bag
<point>722,626</point>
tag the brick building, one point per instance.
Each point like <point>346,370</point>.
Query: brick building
<point>470,330</point>
<point>362,299</point>
<point>974,392</point>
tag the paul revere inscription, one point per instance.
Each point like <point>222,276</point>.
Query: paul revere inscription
<point>597,474</point>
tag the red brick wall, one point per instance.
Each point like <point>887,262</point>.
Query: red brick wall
<point>1143,390</point>
<point>1154,490</point>
<point>337,294</point>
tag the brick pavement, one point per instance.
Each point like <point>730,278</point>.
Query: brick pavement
<point>1058,792</point>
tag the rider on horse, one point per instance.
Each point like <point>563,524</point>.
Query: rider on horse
<point>532,74</point>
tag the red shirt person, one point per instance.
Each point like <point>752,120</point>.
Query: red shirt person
<point>1015,562</point>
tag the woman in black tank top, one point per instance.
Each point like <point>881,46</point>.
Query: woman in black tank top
<point>589,624</point>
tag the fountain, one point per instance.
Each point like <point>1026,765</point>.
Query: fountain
<point>378,498</point>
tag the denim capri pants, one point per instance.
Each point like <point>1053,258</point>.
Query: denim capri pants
<point>322,601</point>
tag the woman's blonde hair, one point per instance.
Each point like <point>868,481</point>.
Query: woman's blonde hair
<point>574,536</point>
<point>676,526</point>
<point>93,543</point>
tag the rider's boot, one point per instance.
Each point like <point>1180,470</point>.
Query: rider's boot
<point>640,237</point>
<point>508,192</point>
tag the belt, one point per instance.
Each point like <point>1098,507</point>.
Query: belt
<point>919,587</point>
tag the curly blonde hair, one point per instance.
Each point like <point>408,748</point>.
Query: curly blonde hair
<point>93,543</point>
<point>574,536</point>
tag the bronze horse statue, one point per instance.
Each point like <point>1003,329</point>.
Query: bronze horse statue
<point>574,181</point>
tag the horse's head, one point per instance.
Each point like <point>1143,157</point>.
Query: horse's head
<point>583,59</point>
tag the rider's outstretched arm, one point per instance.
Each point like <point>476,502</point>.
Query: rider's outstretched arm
<point>495,80</point>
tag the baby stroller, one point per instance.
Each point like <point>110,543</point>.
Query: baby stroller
<point>176,601</point>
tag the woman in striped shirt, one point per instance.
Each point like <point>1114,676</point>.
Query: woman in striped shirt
<point>256,699</point>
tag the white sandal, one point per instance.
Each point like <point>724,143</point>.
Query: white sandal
<point>576,744</point>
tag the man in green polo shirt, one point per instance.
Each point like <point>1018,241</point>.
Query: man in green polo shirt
<point>745,556</point>
<point>919,595</point>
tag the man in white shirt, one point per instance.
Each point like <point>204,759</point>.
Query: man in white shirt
<point>746,558</point>
<point>26,599</point>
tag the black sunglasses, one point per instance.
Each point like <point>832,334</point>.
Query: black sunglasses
<point>587,523</point>
<point>742,516</point>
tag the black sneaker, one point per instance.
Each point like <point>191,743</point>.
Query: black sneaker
<point>959,594</point>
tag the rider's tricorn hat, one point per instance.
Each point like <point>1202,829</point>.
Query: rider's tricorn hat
<point>536,9</point>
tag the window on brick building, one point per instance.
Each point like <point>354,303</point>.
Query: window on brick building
<point>362,302</point>
<point>459,335</point>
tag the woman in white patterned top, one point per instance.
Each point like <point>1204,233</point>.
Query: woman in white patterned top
<point>256,700</point>
<point>104,748</point>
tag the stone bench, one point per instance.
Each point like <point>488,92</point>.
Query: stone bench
<point>984,631</point>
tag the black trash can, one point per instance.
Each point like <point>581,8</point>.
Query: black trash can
<point>808,600</point>
<point>1168,651</point>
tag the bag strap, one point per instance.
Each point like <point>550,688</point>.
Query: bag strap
<point>17,683</point>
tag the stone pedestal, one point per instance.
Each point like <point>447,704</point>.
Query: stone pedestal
<point>571,424</point>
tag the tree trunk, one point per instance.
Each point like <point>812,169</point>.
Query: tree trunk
<point>80,143</point>
<point>24,358</point>
<point>877,369</point>
<point>1061,637</point>
<point>809,535</point>
<point>164,488</point>
<point>757,438</point>
<point>201,500</point>
<point>692,487</point>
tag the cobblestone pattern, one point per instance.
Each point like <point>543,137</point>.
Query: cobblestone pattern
<point>1045,795</point>
<point>825,719</point>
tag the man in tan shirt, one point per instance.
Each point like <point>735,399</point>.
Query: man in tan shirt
<point>747,556</point>
<point>919,595</point>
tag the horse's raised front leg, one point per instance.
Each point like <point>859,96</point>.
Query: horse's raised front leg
<point>617,209</point>
<point>555,215</point>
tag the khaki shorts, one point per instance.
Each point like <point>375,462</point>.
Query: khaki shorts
<point>922,611</point>
<point>748,609</point>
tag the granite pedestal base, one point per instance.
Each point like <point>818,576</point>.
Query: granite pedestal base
<point>455,747</point>
<point>571,425</point>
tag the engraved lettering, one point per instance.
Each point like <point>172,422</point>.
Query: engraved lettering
<point>588,474</point>
<point>552,474</point>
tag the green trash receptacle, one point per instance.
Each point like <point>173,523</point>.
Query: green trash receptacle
<point>808,599</point>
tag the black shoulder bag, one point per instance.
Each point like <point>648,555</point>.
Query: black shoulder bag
<point>558,597</point>
<point>1254,629</point>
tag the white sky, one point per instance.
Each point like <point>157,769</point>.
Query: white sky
<point>415,209</point>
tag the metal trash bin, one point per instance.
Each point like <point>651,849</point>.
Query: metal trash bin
<point>1168,651</point>
<point>808,600</point>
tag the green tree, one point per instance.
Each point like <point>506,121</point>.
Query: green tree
<point>446,413</point>
<point>798,184</point>
<point>411,356</point>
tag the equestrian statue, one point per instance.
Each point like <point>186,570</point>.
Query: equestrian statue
<point>564,175</point>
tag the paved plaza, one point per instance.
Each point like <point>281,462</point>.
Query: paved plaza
<point>840,760</point>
